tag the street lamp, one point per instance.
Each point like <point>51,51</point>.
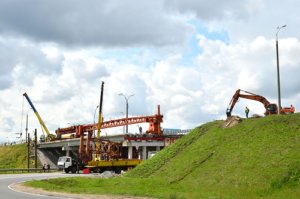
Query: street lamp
<point>27,125</point>
<point>94,121</point>
<point>126,109</point>
<point>278,76</point>
<point>123,125</point>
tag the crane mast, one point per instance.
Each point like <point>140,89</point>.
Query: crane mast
<point>100,112</point>
<point>97,157</point>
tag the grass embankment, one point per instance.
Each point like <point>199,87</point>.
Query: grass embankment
<point>14,157</point>
<point>256,158</point>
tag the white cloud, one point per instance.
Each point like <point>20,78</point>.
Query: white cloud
<point>251,68</point>
<point>62,63</point>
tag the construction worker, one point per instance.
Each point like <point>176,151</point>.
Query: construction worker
<point>44,167</point>
<point>292,109</point>
<point>48,167</point>
<point>247,111</point>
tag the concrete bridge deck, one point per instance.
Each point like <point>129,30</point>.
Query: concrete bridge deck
<point>73,144</point>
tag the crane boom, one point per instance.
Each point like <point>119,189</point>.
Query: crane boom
<point>100,111</point>
<point>97,157</point>
<point>37,114</point>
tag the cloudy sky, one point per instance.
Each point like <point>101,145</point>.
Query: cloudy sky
<point>188,56</point>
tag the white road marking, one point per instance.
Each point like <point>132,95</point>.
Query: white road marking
<point>31,193</point>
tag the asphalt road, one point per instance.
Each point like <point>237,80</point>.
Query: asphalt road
<point>8,179</point>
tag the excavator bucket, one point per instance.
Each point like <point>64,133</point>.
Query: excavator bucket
<point>228,114</point>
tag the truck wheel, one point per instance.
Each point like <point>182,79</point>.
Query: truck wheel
<point>73,170</point>
<point>118,170</point>
<point>109,169</point>
<point>67,170</point>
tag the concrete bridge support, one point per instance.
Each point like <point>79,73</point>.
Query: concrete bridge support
<point>129,152</point>
<point>157,148</point>
<point>67,149</point>
<point>144,153</point>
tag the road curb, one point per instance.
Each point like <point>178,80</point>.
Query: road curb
<point>9,186</point>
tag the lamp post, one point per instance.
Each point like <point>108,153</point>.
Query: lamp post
<point>126,109</point>
<point>94,121</point>
<point>27,124</point>
<point>278,76</point>
<point>123,125</point>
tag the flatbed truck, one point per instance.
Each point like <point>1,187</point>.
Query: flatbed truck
<point>68,164</point>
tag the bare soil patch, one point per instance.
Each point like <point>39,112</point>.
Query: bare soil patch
<point>231,121</point>
<point>38,191</point>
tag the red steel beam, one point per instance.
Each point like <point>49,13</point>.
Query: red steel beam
<point>154,124</point>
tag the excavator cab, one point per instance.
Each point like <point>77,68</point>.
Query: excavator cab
<point>272,108</point>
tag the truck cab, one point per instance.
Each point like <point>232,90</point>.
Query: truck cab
<point>67,164</point>
<point>42,138</point>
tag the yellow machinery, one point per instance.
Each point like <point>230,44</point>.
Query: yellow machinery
<point>97,157</point>
<point>44,128</point>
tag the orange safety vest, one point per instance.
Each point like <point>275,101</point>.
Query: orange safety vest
<point>293,109</point>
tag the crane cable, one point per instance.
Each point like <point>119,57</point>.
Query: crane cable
<point>22,117</point>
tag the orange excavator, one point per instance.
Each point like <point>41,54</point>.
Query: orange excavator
<point>271,108</point>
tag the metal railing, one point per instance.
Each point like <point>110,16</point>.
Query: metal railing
<point>177,132</point>
<point>12,143</point>
<point>27,170</point>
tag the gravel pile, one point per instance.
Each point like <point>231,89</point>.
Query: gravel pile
<point>106,174</point>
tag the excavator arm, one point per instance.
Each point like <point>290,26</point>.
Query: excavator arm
<point>251,96</point>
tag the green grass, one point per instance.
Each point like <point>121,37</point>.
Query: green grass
<point>257,158</point>
<point>14,157</point>
<point>150,166</point>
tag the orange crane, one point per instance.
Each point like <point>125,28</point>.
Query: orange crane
<point>153,120</point>
<point>271,108</point>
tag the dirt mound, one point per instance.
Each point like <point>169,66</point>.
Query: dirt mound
<point>256,116</point>
<point>231,121</point>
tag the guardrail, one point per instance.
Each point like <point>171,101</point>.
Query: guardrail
<point>12,143</point>
<point>28,170</point>
<point>176,132</point>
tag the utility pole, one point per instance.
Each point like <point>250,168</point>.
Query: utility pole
<point>94,121</point>
<point>278,75</point>
<point>28,146</point>
<point>123,125</point>
<point>126,109</point>
<point>35,155</point>
<point>27,125</point>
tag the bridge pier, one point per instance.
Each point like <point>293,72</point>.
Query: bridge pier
<point>129,152</point>
<point>144,153</point>
<point>157,148</point>
<point>67,149</point>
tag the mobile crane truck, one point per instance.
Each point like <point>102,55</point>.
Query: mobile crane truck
<point>44,128</point>
<point>101,148</point>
